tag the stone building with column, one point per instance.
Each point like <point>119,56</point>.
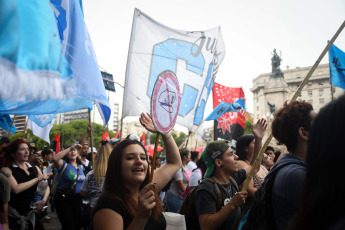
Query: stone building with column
<point>269,93</point>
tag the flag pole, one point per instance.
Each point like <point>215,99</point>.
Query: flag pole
<point>153,163</point>
<point>91,138</point>
<point>9,132</point>
<point>26,124</point>
<point>193,133</point>
<point>298,91</point>
<point>121,129</point>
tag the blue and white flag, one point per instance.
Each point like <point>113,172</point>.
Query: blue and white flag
<point>337,67</point>
<point>78,50</point>
<point>6,122</point>
<point>194,57</point>
<point>42,119</point>
<point>225,107</point>
<point>41,132</point>
<point>34,74</point>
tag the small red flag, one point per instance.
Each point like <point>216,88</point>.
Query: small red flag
<point>143,139</point>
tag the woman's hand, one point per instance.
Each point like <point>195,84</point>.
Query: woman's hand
<point>239,198</point>
<point>45,176</point>
<point>39,205</point>
<point>146,201</point>
<point>77,146</point>
<point>259,129</point>
<point>146,121</point>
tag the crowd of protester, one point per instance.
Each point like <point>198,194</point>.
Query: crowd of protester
<point>115,192</point>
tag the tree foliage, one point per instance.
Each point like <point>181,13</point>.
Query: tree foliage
<point>248,127</point>
<point>69,134</point>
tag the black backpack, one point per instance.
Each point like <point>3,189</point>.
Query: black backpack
<point>261,216</point>
<point>188,208</point>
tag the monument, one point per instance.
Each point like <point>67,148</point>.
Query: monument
<point>276,71</point>
<point>276,91</point>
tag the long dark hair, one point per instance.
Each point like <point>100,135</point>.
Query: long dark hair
<point>114,183</point>
<point>12,148</point>
<point>243,142</point>
<point>323,195</point>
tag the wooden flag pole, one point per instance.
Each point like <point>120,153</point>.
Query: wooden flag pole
<point>304,82</point>
<point>191,134</point>
<point>91,141</point>
<point>153,163</point>
<point>9,132</point>
<point>26,124</point>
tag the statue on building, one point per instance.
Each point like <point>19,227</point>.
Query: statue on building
<point>272,107</point>
<point>276,71</point>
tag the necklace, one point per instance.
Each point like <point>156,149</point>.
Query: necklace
<point>227,189</point>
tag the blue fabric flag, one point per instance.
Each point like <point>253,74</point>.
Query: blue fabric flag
<point>6,122</point>
<point>78,50</point>
<point>224,107</point>
<point>337,67</point>
<point>34,74</point>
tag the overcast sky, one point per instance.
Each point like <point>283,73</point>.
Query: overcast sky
<point>251,29</point>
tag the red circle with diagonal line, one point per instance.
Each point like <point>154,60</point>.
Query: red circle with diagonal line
<point>165,101</point>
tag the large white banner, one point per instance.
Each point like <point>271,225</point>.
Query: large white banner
<point>194,57</point>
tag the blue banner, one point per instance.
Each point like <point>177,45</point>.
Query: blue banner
<point>337,67</point>
<point>34,74</point>
<point>224,107</point>
<point>6,122</point>
<point>78,50</point>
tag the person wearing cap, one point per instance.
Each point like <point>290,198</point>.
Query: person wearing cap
<point>114,142</point>
<point>221,162</point>
<point>32,147</point>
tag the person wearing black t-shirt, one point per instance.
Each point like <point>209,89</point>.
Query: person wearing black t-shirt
<point>128,200</point>
<point>221,164</point>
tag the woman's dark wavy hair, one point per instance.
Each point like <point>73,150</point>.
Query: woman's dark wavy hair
<point>288,119</point>
<point>241,144</point>
<point>12,148</point>
<point>323,197</point>
<point>114,183</point>
<point>65,158</point>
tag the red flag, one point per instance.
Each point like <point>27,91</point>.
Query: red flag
<point>103,137</point>
<point>230,125</point>
<point>143,139</point>
<point>57,139</point>
<point>106,135</point>
<point>115,136</point>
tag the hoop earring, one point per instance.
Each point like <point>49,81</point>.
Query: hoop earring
<point>221,166</point>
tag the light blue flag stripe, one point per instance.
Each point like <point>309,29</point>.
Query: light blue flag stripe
<point>79,52</point>
<point>33,71</point>
<point>224,107</point>
<point>337,67</point>
<point>6,122</point>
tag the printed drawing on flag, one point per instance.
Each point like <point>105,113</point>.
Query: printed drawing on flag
<point>194,57</point>
<point>230,125</point>
<point>337,67</point>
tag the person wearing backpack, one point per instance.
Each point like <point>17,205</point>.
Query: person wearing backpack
<point>221,183</point>
<point>279,197</point>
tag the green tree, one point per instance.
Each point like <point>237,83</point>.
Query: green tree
<point>248,127</point>
<point>73,131</point>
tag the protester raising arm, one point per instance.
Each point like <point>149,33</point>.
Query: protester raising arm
<point>259,131</point>
<point>173,160</point>
<point>128,200</point>
<point>57,159</point>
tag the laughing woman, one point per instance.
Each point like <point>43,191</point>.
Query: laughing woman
<point>23,179</point>
<point>128,200</point>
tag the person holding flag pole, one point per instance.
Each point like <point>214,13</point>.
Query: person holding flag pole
<point>129,200</point>
<point>251,221</point>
